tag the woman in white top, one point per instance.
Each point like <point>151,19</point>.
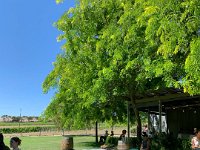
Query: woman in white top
<point>195,142</point>
<point>14,143</point>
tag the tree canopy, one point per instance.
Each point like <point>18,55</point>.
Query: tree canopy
<point>115,50</point>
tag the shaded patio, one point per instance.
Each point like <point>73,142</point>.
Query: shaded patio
<point>180,109</point>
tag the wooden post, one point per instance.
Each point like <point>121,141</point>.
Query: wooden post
<point>149,121</point>
<point>96,131</point>
<point>160,116</point>
<point>67,143</point>
<point>128,118</point>
<point>167,121</point>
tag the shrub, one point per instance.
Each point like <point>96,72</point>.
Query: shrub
<point>112,140</point>
<point>25,129</point>
<point>133,141</point>
<point>168,142</point>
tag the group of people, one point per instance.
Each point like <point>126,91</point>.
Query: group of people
<point>14,143</point>
<point>103,137</point>
<point>145,139</point>
<point>145,145</point>
<point>195,141</point>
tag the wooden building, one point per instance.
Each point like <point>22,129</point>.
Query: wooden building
<point>182,111</point>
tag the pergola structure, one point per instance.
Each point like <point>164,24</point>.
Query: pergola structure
<point>182,111</point>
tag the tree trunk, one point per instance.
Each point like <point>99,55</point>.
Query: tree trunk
<point>139,126</point>
<point>96,131</point>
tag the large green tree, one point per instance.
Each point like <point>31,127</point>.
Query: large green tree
<point>117,50</point>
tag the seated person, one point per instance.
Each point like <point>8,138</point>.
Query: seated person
<point>112,133</point>
<point>145,142</point>
<point>122,135</point>
<point>195,142</point>
<point>103,138</point>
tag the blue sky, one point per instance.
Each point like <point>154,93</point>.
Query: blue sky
<point>28,47</point>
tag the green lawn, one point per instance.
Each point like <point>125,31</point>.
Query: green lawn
<point>53,142</point>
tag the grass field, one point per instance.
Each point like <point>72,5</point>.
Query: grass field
<point>53,142</point>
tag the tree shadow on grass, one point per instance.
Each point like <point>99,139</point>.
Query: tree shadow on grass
<point>90,144</point>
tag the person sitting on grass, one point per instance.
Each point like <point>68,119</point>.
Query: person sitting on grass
<point>2,145</point>
<point>14,143</point>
